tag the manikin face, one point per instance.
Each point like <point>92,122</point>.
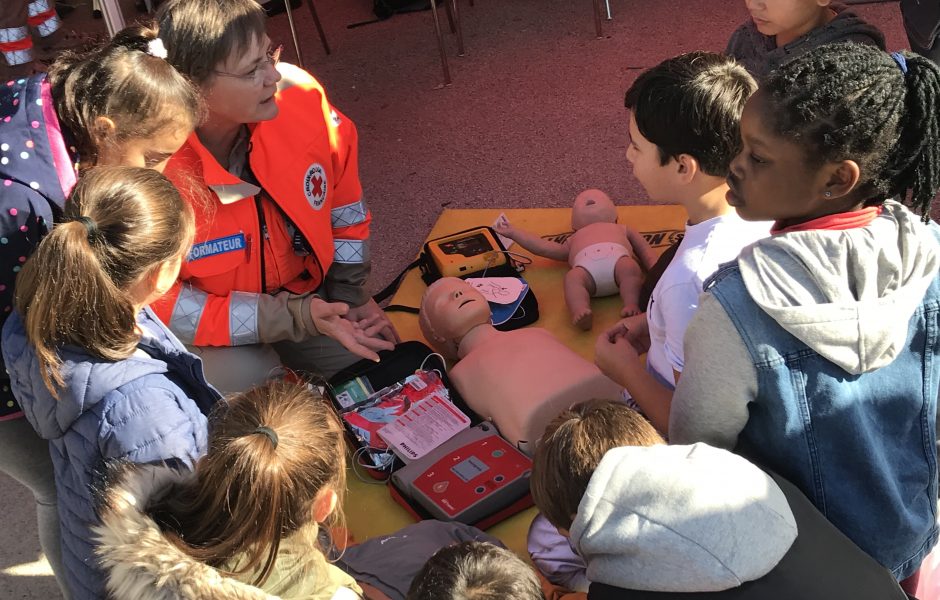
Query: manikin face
<point>793,17</point>
<point>592,206</point>
<point>451,308</point>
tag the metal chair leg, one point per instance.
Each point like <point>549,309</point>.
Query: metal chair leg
<point>460,50</point>
<point>293,33</point>
<point>440,43</point>
<point>597,18</point>
<point>316,21</point>
<point>450,15</point>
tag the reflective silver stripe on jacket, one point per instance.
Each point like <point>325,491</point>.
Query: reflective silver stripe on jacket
<point>37,6</point>
<point>349,251</point>
<point>18,57</point>
<point>49,26</point>
<point>351,214</point>
<point>13,34</point>
<point>243,318</point>
<point>184,321</point>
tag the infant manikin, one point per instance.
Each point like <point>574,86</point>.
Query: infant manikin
<point>518,379</point>
<point>605,257</point>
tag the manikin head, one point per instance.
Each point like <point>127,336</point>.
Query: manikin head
<point>592,206</point>
<point>450,308</point>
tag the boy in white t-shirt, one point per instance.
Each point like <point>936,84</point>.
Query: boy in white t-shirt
<point>684,116</point>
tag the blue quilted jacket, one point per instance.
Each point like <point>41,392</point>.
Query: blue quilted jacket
<point>148,408</point>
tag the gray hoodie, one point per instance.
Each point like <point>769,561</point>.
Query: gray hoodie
<point>681,519</point>
<point>848,295</point>
<point>760,55</point>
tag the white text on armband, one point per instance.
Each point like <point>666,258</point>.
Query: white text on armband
<point>217,246</point>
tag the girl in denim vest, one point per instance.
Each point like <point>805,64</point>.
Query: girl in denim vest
<point>817,353</point>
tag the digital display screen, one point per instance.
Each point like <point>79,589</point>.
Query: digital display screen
<point>469,468</point>
<point>468,246</point>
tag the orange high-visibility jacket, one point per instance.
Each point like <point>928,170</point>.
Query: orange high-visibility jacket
<point>305,161</point>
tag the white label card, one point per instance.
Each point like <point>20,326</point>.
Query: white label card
<point>424,427</point>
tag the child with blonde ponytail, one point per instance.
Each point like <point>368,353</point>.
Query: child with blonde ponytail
<point>96,373</point>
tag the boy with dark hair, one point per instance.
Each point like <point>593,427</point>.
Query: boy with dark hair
<point>657,521</point>
<point>783,29</point>
<point>684,116</point>
<point>475,571</point>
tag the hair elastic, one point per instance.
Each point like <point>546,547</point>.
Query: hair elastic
<point>156,48</point>
<point>267,431</point>
<point>91,228</point>
<point>902,62</point>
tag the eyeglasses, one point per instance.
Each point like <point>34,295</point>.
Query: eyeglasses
<point>256,76</point>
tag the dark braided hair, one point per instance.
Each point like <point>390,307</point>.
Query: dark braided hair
<point>854,102</point>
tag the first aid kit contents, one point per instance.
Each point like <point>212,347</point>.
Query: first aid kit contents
<point>471,477</point>
<point>410,417</point>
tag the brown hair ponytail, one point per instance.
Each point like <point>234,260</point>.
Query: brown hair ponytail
<point>273,450</point>
<point>119,224</point>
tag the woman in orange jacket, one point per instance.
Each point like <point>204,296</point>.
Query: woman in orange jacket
<point>281,253</point>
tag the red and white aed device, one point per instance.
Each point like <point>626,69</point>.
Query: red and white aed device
<point>471,478</point>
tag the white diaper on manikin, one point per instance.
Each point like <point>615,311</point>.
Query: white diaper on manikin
<point>599,261</point>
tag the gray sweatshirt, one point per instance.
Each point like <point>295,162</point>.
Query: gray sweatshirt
<point>680,519</point>
<point>848,295</point>
<point>760,55</point>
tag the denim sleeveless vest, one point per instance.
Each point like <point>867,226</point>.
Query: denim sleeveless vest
<point>861,447</point>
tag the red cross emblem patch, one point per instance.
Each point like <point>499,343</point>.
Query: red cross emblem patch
<point>315,186</point>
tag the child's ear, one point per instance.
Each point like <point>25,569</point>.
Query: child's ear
<point>325,504</point>
<point>102,129</point>
<point>841,179</point>
<point>686,168</point>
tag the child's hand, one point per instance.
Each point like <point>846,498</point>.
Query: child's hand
<point>637,332</point>
<point>615,355</point>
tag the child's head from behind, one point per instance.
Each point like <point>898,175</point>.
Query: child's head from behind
<point>275,467</point>
<point>571,448</point>
<point>789,18</point>
<point>120,244</point>
<point>840,127</point>
<point>475,571</point>
<point>125,104</point>
<point>684,118</point>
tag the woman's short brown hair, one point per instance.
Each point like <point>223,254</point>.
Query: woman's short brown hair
<point>200,35</point>
<point>571,448</point>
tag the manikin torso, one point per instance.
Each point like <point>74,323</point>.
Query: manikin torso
<point>518,379</point>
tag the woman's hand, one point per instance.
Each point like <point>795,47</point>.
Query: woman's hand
<point>373,320</point>
<point>330,320</point>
